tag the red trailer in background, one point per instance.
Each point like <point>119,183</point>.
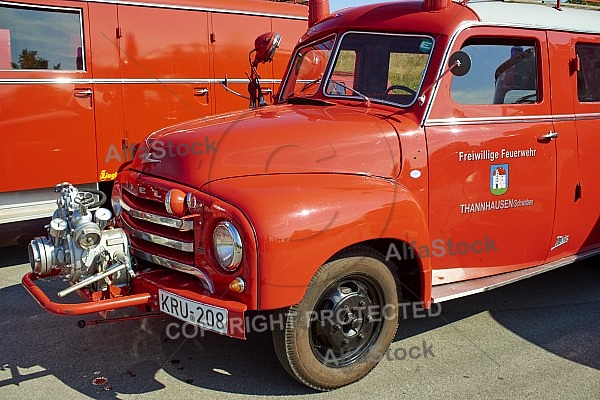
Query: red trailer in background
<point>82,82</point>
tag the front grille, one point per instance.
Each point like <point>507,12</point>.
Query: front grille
<point>157,237</point>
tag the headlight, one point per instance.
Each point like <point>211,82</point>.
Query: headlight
<point>227,246</point>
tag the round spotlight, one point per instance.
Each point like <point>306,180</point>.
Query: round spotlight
<point>175,202</point>
<point>115,199</point>
<point>192,203</point>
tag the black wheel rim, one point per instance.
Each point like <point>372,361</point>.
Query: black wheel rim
<point>347,320</point>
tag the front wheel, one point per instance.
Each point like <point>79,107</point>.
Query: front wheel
<point>344,324</point>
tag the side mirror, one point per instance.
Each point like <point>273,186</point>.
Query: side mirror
<point>459,63</point>
<point>265,46</point>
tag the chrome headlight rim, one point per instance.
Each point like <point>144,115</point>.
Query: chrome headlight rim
<point>227,246</point>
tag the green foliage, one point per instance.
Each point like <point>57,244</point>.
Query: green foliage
<point>406,69</point>
<point>29,59</point>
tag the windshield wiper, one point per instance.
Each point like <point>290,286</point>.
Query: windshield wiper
<point>363,96</point>
<point>306,86</point>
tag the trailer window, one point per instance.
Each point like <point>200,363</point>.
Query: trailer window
<point>588,76</point>
<point>47,39</point>
<point>502,72</point>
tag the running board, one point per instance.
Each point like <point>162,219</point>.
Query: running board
<point>450,291</point>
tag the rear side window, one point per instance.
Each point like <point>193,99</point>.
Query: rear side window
<point>47,39</point>
<point>588,76</point>
<point>503,71</point>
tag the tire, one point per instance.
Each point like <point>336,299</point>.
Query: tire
<point>344,324</point>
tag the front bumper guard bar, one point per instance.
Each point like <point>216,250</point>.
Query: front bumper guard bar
<point>89,307</point>
<point>171,281</point>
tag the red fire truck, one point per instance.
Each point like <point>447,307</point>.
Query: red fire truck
<point>83,81</point>
<point>418,151</point>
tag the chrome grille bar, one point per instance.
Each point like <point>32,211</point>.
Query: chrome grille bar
<point>175,265</point>
<point>182,225</point>
<point>161,240</point>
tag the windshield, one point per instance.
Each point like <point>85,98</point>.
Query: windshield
<point>308,69</point>
<point>382,67</point>
<point>379,67</point>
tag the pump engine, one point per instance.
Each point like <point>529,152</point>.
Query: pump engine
<point>82,243</point>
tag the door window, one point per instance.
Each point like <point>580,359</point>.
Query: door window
<point>588,76</point>
<point>502,72</point>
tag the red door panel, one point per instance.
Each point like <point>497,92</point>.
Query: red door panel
<point>492,179</point>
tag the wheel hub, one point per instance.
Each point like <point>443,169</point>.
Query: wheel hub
<point>345,328</point>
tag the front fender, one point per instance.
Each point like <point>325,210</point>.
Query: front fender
<point>301,220</point>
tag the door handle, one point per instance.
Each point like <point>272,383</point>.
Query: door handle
<point>200,92</point>
<point>548,136</point>
<point>82,93</point>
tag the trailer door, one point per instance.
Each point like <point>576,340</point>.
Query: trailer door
<point>164,67</point>
<point>46,98</point>
<point>232,38</point>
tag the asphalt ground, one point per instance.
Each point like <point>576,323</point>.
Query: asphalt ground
<point>535,339</point>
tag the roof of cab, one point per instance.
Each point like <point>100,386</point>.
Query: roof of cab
<point>538,15</point>
<point>410,16</point>
<point>401,15</point>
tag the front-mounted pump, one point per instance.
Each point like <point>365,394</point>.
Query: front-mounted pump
<point>82,243</point>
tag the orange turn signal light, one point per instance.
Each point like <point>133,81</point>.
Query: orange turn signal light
<point>237,285</point>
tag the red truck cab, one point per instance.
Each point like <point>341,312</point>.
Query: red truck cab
<point>417,152</point>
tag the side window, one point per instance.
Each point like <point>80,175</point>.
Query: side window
<point>48,39</point>
<point>502,72</point>
<point>588,76</point>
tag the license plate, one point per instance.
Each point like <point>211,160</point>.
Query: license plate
<point>203,315</point>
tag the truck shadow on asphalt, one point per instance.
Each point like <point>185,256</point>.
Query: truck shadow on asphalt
<point>558,311</point>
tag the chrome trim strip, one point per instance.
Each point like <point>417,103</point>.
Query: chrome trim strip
<point>512,119</point>
<point>206,9</point>
<point>160,240</point>
<point>174,265</point>
<point>587,116</point>
<point>450,291</point>
<point>182,225</point>
<point>100,81</point>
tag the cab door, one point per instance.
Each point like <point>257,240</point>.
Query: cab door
<point>46,97</point>
<point>492,158</point>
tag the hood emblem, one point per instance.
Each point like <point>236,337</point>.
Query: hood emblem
<point>148,156</point>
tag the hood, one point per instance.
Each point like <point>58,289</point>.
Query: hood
<point>282,139</point>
